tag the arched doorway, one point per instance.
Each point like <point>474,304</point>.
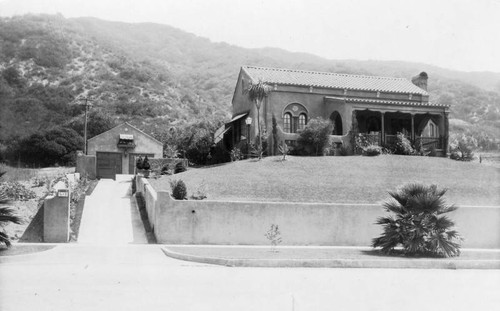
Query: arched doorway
<point>337,123</point>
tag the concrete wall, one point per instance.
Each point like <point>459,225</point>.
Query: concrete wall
<point>56,215</point>
<point>107,142</point>
<point>86,165</point>
<point>150,197</point>
<point>245,223</point>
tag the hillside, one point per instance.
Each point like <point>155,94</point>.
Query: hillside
<point>156,76</point>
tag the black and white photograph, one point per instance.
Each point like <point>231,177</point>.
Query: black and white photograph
<point>284,155</point>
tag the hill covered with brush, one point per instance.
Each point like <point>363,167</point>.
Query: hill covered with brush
<point>159,77</point>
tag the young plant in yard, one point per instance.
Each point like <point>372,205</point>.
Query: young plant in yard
<point>419,224</point>
<point>284,150</point>
<point>274,236</point>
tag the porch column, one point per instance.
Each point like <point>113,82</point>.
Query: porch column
<point>446,133</point>
<point>383,127</point>
<point>413,128</point>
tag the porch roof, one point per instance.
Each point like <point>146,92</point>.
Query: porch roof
<point>333,80</point>
<point>387,102</point>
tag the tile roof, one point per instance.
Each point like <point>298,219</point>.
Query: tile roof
<point>391,102</point>
<point>332,80</point>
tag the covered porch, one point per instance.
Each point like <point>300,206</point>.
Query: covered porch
<point>425,129</point>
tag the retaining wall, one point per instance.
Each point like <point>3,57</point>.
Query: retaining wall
<point>223,222</point>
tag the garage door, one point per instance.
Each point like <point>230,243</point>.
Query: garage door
<point>109,164</point>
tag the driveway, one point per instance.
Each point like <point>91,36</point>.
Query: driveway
<point>111,216</point>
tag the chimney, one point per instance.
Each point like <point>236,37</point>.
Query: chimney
<point>420,80</point>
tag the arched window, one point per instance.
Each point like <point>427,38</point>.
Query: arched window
<point>431,129</point>
<point>287,123</point>
<point>294,118</point>
<point>302,122</point>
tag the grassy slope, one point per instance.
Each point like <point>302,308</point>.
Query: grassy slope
<point>341,179</point>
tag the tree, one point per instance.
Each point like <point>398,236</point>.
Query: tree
<point>57,145</point>
<point>98,122</point>
<point>418,225</point>
<point>315,136</point>
<point>257,92</point>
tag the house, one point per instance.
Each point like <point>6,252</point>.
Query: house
<point>378,107</point>
<point>115,151</point>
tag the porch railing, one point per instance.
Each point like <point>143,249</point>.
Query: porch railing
<point>429,142</point>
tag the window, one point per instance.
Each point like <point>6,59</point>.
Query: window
<point>294,118</point>
<point>302,122</point>
<point>287,123</point>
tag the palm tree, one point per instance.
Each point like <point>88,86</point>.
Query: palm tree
<point>6,215</point>
<point>418,225</point>
<point>256,93</point>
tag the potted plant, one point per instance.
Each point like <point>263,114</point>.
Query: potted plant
<point>146,167</point>
<point>138,164</point>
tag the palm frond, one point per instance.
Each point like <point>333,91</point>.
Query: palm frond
<point>258,91</point>
<point>443,223</point>
<point>7,215</point>
<point>447,209</point>
<point>4,238</point>
<point>4,199</point>
<point>393,205</point>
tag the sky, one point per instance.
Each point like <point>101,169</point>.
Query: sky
<point>455,34</point>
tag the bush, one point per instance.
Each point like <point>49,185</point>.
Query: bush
<point>180,167</point>
<point>166,170</point>
<point>236,154</point>
<point>315,137</point>
<point>462,147</point>
<point>179,190</point>
<point>418,225</point>
<point>344,151</point>
<point>402,146</point>
<point>145,163</point>
<point>55,146</point>
<point>139,162</point>
<point>372,150</point>
<point>16,191</point>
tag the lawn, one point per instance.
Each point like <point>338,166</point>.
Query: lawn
<point>352,179</point>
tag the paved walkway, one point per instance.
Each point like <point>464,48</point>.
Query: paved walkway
<point>111,216</point>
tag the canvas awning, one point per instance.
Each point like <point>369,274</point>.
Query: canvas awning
<point>219,134</point>
<point>126,141</point>
<point>238,117</point>
<point>126,137</point>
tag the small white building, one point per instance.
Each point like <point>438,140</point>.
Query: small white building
<point>116,150</point>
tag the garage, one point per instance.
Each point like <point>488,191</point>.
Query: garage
<point>108,164</point>
<point>116,150</point>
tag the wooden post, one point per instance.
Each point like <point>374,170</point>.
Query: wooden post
<point>413,128</point>
<point>383,127</point>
